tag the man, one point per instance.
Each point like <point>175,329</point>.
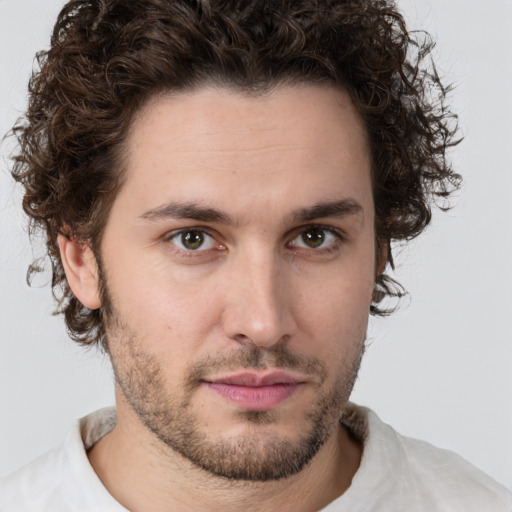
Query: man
<point>220,185</point>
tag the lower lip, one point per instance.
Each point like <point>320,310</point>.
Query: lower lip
<point>254,398</point>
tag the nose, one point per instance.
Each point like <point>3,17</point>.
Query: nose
<point>259,297</point>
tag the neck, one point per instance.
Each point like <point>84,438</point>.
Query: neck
<point>145,476</point>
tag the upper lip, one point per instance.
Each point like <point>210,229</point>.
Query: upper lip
<point>256,380</point>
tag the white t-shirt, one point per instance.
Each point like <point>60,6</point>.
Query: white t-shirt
<point>397,474</point>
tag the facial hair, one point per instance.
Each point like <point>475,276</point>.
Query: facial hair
<point>140,376</point>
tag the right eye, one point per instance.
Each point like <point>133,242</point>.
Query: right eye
<point>192,240</point>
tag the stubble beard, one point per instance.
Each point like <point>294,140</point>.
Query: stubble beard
<point>251,457</point>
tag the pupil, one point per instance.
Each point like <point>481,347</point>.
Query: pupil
<point>314,237</point>
<point>192,239</point>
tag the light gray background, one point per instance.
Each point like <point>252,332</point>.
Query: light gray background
<point>439,370</point>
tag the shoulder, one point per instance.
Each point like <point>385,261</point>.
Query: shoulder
<point>449,478</point>
<point>40,485</point>
<point>62,479</point>
<point>414,475</point>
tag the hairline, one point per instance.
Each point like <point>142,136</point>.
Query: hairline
<point>120,152</point>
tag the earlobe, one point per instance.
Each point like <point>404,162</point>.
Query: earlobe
<point>81,271</point>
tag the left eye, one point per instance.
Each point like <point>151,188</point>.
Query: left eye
<point>192,240</point>
<point>315,238</point>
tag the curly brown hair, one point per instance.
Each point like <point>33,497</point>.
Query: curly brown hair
<point>108,57</point>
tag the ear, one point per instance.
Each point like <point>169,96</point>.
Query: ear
<point>81,271</point>
<point>382,257</point>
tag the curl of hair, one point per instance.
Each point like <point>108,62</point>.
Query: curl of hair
<point>108,57</point>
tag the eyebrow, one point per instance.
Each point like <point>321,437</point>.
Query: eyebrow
<point>193,211</point>
<point>329,209</point>
<point>187,211</point>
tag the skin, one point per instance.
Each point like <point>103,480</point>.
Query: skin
<point>271,281</point>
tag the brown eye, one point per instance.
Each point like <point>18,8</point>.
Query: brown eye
<point>316,237</point>
<point>313,237</point>
<point>192,240</point>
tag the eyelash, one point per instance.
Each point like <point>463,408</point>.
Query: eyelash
<point>333,247</point>
<point>190,253</point>
<point>339,238</point>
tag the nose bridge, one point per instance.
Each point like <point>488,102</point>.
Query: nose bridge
<point>258,308</point>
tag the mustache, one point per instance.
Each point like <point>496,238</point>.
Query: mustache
<point>255,358</point>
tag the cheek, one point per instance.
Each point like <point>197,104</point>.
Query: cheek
<point>173,318</point>
<point>334,312</point>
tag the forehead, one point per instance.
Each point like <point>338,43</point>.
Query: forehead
<point>294,145</point>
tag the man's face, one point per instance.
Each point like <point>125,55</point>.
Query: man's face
<point>239,260</point>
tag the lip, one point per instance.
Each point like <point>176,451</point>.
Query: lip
<point>255,392</point>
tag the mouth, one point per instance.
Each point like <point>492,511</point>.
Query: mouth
<point>256,392</point>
